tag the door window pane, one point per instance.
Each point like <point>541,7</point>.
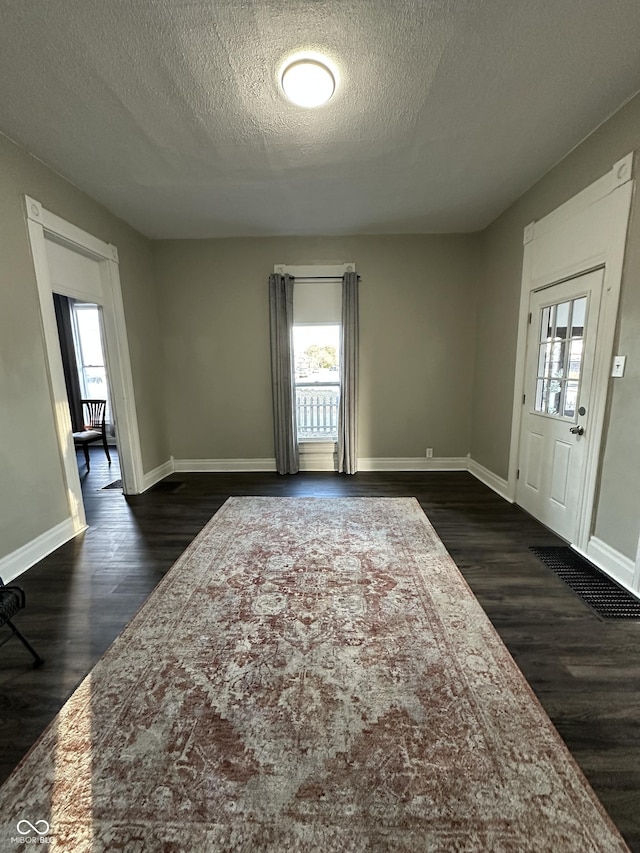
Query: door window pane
<point>556,362</point>
<point>543,359</point>
<point>546,326</point>
<point>560,357</point>
<point>575,359</point>
<point>578,317</point>
<point>562,319</point>
<point>553,399</point>
<point>570,399</point>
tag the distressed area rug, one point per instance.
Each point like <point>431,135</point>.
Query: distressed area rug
<point>313,674</point>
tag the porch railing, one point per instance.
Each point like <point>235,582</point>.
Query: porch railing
<point>317,411</point>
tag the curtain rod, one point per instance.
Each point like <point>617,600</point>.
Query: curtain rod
<point>315,270</point>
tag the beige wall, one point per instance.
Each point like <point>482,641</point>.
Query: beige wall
<point>438,340</point>
<point>618,514</point>
<point>417,331</point>
<point>32,497</point>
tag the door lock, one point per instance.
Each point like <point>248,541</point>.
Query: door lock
<point>577,430</point>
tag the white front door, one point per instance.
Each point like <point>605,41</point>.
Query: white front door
<point>554,438</point>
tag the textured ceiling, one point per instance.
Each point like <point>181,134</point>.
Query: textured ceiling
<point>169,111</point>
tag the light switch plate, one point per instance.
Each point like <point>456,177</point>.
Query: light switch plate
<point>619,362</point>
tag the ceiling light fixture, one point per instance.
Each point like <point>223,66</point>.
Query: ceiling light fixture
<point>308,83</point>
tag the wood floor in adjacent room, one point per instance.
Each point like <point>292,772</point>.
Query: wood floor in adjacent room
<point>585,671</point>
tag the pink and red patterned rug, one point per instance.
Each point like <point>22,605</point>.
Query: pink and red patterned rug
<point>313,674</point>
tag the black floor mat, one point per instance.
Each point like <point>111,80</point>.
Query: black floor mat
<point>165,486</point>
<point>605,596</point>
<point>117,484</point>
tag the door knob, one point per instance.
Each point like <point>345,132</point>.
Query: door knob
<point>577,430</point>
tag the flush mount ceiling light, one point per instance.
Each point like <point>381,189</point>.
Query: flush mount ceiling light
<point>308,82</point>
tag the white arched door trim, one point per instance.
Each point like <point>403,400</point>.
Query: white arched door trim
<point>42,226</point>
<point>586,232</point>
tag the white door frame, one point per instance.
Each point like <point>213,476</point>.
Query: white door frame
<point>586,232</point>
<point>43,224</point>
<point>551,460</point>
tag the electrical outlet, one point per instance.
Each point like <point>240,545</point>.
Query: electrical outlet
<point>429,452</point>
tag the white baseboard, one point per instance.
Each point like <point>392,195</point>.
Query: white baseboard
<point>204,466</point>
<point>323,461</point>
<point>159,473</point>
<point>442,463</point>
<point>23,558</point>
<point>490,479</point>
<point>615,564</point>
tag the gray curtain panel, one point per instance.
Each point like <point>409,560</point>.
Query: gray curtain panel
<point>62,306</point>
<point>284,410</point>
<point>348,411</point>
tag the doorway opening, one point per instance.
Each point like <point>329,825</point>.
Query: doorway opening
<point>81,338</point>
<point>69,261</point>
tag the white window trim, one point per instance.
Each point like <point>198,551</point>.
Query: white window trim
<point>315,271</point>
<point>316,452</point>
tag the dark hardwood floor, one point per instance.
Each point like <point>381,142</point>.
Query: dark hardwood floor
<point>585,671</point>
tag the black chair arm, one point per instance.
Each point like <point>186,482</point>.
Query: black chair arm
<point>17,590</point>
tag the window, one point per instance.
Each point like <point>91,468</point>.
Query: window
<point>316,353</point>
<point>560,357</point>
<point>92,372</point>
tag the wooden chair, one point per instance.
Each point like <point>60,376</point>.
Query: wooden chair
<point>12,600</point>
<point>95,429</point>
